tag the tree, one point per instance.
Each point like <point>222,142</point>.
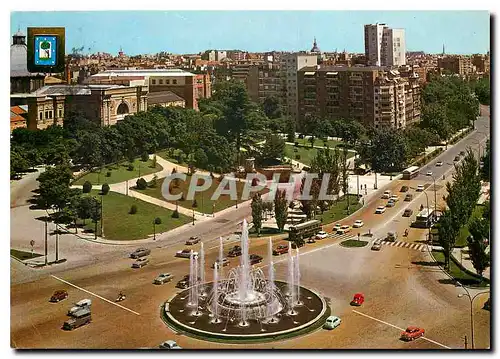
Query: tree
<point>54,190</point>
<point>156,222</point>
<point>485,169</point>
<point>83,208</point>
<point>133,209</point>
<point>280,209</point>
<point>273,148</point>
<point>154,182</point>
<point>387,150</point>
<point>345,176</point>
<point>87,187</point>
<point>418,139</point>
<point>434,120</point>
<point>257,209</point>
<point>141,184</point>
<point>272,107</point>
<point>201,158</point>
<point>95,212</point>
<point>479,229</point>
<point>105,189</point>
<point>18,161</point>
<point>447,233</point>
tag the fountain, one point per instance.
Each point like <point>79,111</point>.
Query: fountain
<point>244,303</point>
<point>221,252</point>
<point>202,269</point>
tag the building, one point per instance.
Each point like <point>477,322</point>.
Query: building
<point>384,46</point>
<point>104,104</point>
<point>18,117</point>
<point>214,55</point>
<point>370,95</point>
<point>21,80</point>
<point>237,55</point>
<point>264,81</point>
<point>457,64</point>
<point>482,63</point>
<point>289,65</point>
<point>165,99</point>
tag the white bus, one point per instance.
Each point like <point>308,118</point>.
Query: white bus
<point>426,218</point>
<point>410,172</point>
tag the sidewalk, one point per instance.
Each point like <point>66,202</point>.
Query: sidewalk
<point>462,257</point>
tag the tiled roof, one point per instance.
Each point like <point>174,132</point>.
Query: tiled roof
<point>17,110</point>
<point>163,97</point>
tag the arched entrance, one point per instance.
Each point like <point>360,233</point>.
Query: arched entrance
<point>122,109</point>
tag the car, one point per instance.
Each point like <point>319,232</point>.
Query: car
<point>390,203</point>
<point>404,189</point>
<point>225,262</point>
<point>141,262</point>
<point>254,259</point>
<point>234,252</point>
<point>163,278</point>
<point>380,210</point>
<point>412,333</point>
<point>462,153</point>
<point>420,188</point>
<point>140,252</point>
<point>487,304</point>
<point>457,158</point>
<point>386,195</point>
<point>358,223</point>
<point>408,197</point>
<point>281,249</point>
<point>439,163</point>
<point>58,296</point>
<point>344,229</point>
<point>429,173</point>
<point>358,299</point>
<point>169,344</point>
<point>299,243</point>
<point>408,212</point>
<point>192,240</point>
<point>311,239</point>
<point>394,198</point>
<point>321,235</point>
<point>377,245</point>
<point>336,227</point>
<point>391,236</point>
<point>79,306</point>
<point>183,283</point>
<point>332,322</point>
<point>185,253</point>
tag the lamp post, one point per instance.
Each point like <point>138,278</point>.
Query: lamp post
<point>471,299</point>
<point>193,216</point>
<point>435,195</point>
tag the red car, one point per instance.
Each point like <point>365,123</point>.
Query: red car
<point>358,299</point>
<point>281,249</point>
<point>254,259</point>
<point>234,252</point>
<point>412,333</point>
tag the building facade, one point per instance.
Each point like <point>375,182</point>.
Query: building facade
<point>21,80</point>
<point>384,46</point>
<point>457,64</point>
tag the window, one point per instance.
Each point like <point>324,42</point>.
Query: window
<point>46,114</point>
<point>174,82</point>
<point>153,82</point>
<point>60,113</point>
<point>41,116</point>
<point>161,81</point>
<point>167,82</point>
<point>50,114</point>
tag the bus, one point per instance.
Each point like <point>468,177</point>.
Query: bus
<point>304,230</point>
<point>425,219</point>
<point>410,172</point>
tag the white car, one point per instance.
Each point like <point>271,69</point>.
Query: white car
<point>429,173</point>
<point>141,262</point>
<point>394,198</point>
<point>439,163</point>
<point>332,322</point>
<point>386,195</point>
<point>185,253</point>
<point>380,210</point>
<point>344,229</point>
<point>169,344</point>
<point>420,188</point>
<point>336,227</point>
<point>358,223</point>
<point>321,235</point>
<point>163,278</point>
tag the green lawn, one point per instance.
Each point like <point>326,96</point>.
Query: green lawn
<point>317,142</point>
<point>204,204</point>
<point>353,243</point>
<point>21,255</point>
<point>339,210</point>
<point>120,225</point>
<point>306,153</point>
<point>119,172</point>
<point>464,231</point>
<point>165,154</point>
<point>457,273</point>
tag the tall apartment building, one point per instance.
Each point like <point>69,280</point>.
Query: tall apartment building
<point>457,64</point>
<point>384,46</point>
<point>264,81</point>
<point>289,65</point>
<point>369,95</point>
<point>214,55</point>
<point>482,63</point>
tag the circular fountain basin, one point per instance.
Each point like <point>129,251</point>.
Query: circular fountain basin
<point>252,298</point>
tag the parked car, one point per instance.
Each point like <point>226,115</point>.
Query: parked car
<point>408,212</point>
<point>185,253</point>
<point>281,249</point>
<point>321,235</point>
<point>311,239</point>
<point>254,259</point>
<point>420,188</point>
<point>390,203</point>
<point>169,344</point>
<point>332,322</point>
<point>192,240</point>
<point>234,252</point>
<point>78,319</point>
<point>336,227</point>
<point>404,189</point>
<point>358,223</point>
<point>163,278</point>
<point>141,262</point>
<point>391,236</point>
<point>412,333</point>
<point>183,283</point>
<point>58,296</point>
<point>83,304</point>
<point>386,194</point>
<point>140,252</point>
<point>408,197</point>
<point>344,229</point>
<point>358,299</point>
<point>394,198</point>
<point>439,163</point>
<point>429,173</point>
<point>380,210</point>
<point>225,262</point>
<point>377,245</point>
<point>457,158</point>
<point>300,244</point>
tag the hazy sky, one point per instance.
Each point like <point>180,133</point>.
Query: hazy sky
<point>137,32</point>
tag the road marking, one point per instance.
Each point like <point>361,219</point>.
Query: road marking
<point>401,329</point>
<point>95,295</point>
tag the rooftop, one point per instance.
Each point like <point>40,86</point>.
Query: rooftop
<point>163,97</point>
<point>145,72</point>
<point>72,89</point>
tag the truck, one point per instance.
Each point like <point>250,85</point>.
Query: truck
<point>84,303</point>
<point>79,318</point>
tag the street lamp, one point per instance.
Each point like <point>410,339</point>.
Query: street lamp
<point>471,299</point>
<point>193,216</point>
<point>435,195</point>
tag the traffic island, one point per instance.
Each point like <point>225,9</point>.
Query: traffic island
<point>353,243</point>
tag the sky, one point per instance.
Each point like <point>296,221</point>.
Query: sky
<point>148,32</point>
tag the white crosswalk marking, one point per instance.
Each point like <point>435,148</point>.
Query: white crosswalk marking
<point>415,246</point>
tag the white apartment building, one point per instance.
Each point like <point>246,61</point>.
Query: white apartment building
<point>290,64</point>
<point>384,46</point>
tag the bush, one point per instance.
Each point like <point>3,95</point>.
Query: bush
<point>108,174</point>
<point>296,144</point>
<point>154,182</point>
<point>130,167</point>
<point>141,183</point>
<point>297,157</point>
<point>133,209</point>
<point>105,189</point>
<point>87,187</point>
<point>144,156</point>
<point>175,214</point>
